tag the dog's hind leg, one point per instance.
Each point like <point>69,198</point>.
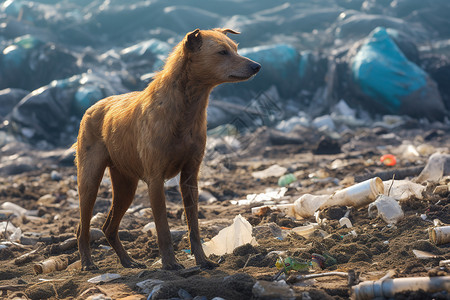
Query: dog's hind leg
<point>91,163</point>
<point>189,190</point>
<point>124,188</point>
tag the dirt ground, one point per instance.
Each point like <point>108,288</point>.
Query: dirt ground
<point>371,251</point>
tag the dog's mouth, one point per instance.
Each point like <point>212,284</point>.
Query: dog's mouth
<point>235,77</point>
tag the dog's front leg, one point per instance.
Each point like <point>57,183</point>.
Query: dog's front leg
<point>158,203</point>
<point>189,190</point>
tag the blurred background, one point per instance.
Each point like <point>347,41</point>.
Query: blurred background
<point>344,62</point>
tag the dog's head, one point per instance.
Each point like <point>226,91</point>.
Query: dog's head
<point>214,58</point>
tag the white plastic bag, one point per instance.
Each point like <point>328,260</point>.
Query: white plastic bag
<point>237,234</point>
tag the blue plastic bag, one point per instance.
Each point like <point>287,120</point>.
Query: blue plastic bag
<point>395,84</point>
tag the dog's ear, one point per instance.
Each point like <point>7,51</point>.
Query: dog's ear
<point>193,40</point>
<point>227,30</point>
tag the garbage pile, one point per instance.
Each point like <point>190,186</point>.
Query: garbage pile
<point>279,221</point>
<point>388,57</point>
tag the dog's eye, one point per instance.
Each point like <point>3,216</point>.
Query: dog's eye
<point>223,52</point>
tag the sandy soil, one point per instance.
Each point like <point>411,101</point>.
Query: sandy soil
<point>372,251</point>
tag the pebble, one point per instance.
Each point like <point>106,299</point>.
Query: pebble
<point>55,175</point>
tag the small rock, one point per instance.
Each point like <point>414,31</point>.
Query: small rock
<point>184,294</point>
<point>55,175</point>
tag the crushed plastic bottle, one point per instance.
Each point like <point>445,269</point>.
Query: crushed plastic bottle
<point>286,180</point>
<point>289,264</point>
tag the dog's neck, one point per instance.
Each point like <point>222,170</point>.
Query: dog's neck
<point>185,96</point>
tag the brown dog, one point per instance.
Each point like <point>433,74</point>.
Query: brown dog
<point>153,135</point>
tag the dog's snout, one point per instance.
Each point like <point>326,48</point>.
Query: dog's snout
<point>255,67</point>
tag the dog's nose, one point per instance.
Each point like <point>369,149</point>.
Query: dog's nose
<point>255,67</point>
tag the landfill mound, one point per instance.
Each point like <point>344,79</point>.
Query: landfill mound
<point>58,58</point>
<point>270,252</point>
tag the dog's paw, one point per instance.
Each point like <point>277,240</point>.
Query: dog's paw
<point>134,264</point>
<point>173,266</point>
<point>89,267</point>
<point>208,264</point>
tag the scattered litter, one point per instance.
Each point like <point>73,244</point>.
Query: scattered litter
<point>344,221</point>
<point>16,209</point>
<point>268,196</point>
<point>273,290</point>
<point>387,208</point>
<point>311,276</point>
<point>286,180</point>
<point>441,190</point>
<point>445,263</point>
<point>440,235</point>
<point>50,265</point>
<point>148,285</point>
<point>237,234</point>
<point>107,277</point>
<point>289,264</point>
<point>438,165</point>
<point>424,254</point>
<point>402,190</point>
<point>306,230</point>
<point>388,160</point>
<point>357,196</point>
<point>387,288</point>
<point>272,171</point>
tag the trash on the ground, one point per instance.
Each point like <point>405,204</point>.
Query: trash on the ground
<point>445,263</point>
<point>148,285</point>
<point>150,227</point>
<point>286,180</point>
<point>268,230</point>
<point>387,288</point>
<point>392,82</point>
<point>272,171</point>
<point>387,208</point>
<point>16,209</point>
<point>272,290</point>
<point>237,234</point>
<point>50,265</point>
<point>27,257</point>
<point>298,278</point>
<point>107,277</point>
<point>268,197</point>
<point>344,221</point>
<point>402,190</point>
<point>424,254</point>
<point>438,165</point>
<point>388,160</point>
<point>441,190</point>
<point>357,196</point>
<point>289,264</point>
<point>287,209</point>
<point>439,235</point>
<point>306,230</point>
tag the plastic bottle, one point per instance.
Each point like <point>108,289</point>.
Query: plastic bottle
<point>387,288</point>
<point>289,264</point>
<point>357,195</point>
<point>440,235</point>
<point>287,179</point>
<point>50,265</point>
